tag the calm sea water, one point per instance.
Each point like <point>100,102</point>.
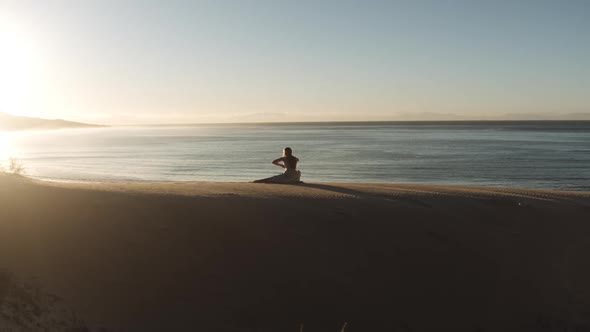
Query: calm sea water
<point>517,154</point>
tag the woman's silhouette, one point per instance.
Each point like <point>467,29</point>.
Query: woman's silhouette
<point>289,162</point>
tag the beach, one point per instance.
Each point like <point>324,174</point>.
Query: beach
<point>215,256</point>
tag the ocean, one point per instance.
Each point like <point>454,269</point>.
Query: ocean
<point>550,155</point>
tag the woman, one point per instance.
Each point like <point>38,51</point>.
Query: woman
<point>289,162</point>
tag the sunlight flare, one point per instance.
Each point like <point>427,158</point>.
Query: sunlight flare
<point>6,150</point>
<point>20,68</point>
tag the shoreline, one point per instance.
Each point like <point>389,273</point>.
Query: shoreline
<point>244,256</point>
<point>304,184</point>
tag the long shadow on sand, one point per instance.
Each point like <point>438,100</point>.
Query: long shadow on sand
<point>365,195</point>
<point>335,189</point>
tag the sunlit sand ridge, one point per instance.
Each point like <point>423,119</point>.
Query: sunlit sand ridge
<point>243,257</point>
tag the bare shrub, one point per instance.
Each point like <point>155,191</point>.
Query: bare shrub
<point>16,167</point>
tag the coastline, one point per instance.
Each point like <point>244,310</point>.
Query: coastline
<point>244,256</point>
<point>308,189</point>
<point>528,155</point>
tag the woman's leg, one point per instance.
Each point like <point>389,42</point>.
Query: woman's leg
<point>285,178</point>
<point>273,179</point>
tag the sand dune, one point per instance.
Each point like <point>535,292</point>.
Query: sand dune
<point>256,257</point>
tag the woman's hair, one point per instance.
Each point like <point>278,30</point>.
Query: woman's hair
<point>290,160</point>
<point>287,152</point>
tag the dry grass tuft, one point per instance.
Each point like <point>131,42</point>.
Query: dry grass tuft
<point>15,167</point>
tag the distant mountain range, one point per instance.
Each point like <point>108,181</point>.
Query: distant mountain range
<point>12,122</point>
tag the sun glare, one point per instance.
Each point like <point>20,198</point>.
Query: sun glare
<point>5,147</point>
<point>20,66</point>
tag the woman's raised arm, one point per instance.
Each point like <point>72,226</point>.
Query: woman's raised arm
<point>278,162</point>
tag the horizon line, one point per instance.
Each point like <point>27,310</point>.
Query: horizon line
<point>338,122</point>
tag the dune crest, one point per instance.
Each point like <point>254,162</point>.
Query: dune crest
<point>244,257</point>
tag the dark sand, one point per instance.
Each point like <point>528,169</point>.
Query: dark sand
<point>258,257</point>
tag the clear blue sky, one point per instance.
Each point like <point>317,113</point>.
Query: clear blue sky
<point>209,61</point>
